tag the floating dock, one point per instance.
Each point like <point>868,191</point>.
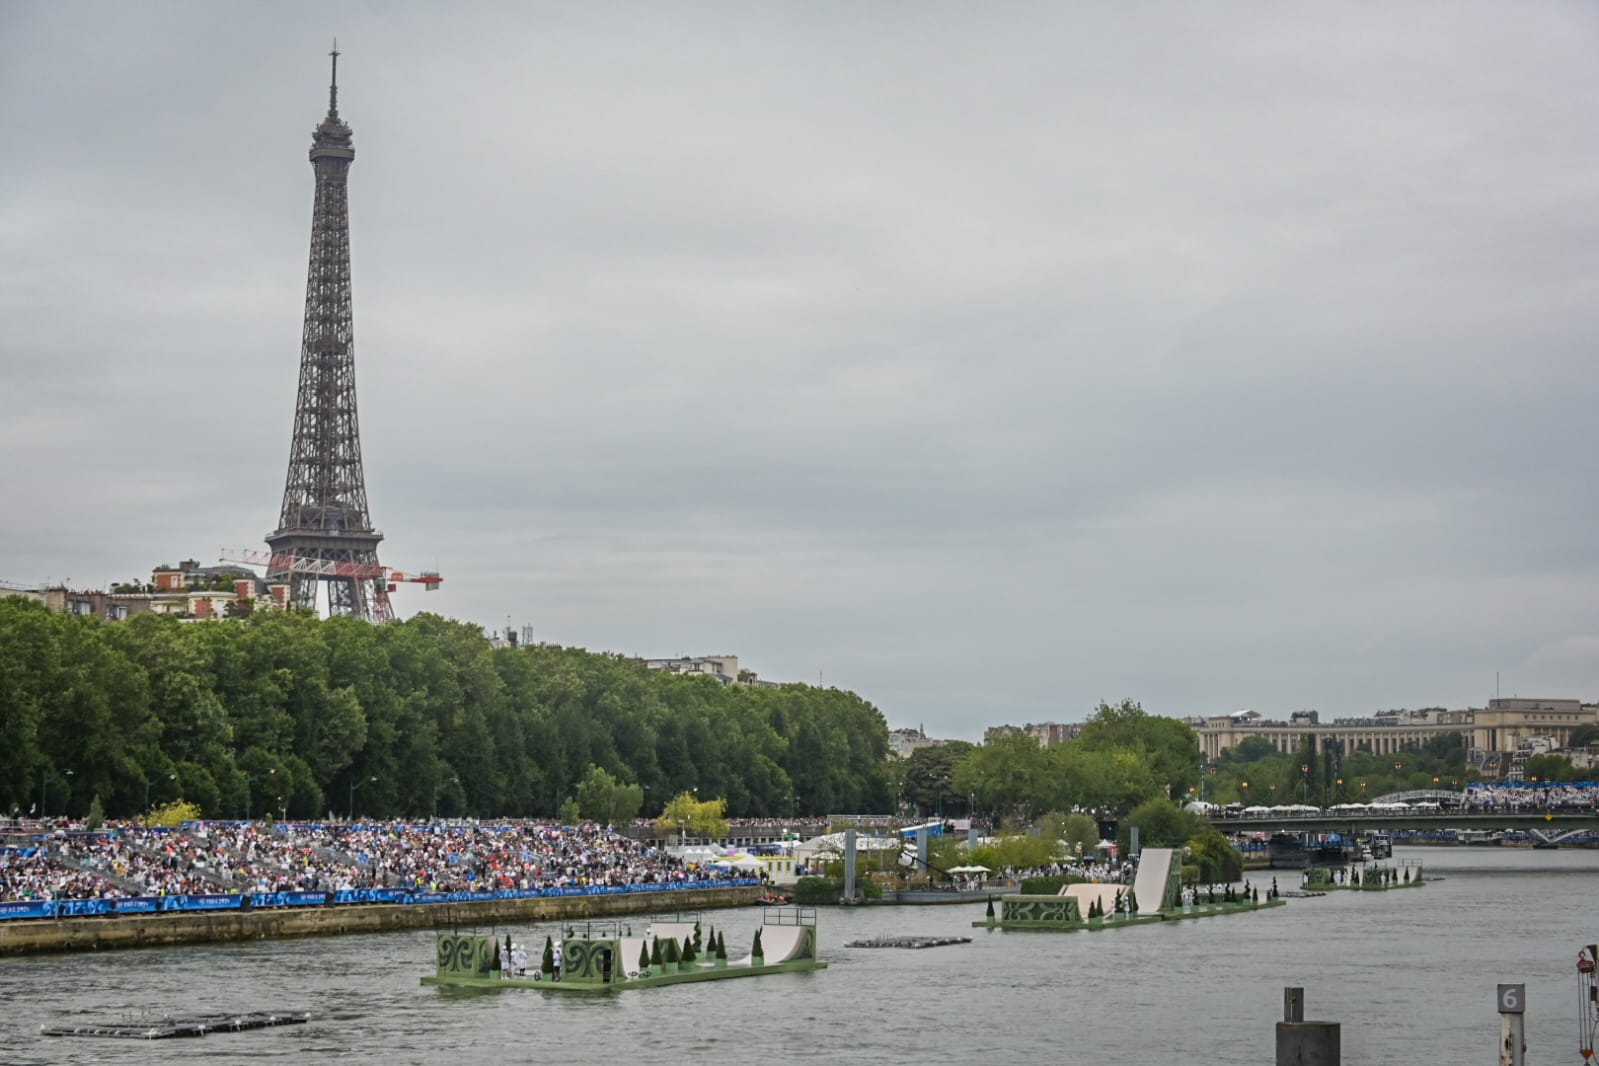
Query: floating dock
<point>166,1027</point>
<point>909,942</point>
<point>1154,896</point>
<point>606,956</point>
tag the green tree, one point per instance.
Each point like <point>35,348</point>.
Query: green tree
<point>1161,823</point>
<point>1215,857</point>
<point>687,814</point>
<point>606,800</point>
<point>1549,768</point>
<point>929,778</point>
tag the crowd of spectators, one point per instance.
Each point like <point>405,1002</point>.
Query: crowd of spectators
<point>30,875</point>
<point>1529,797</point>
<point>252,858</point>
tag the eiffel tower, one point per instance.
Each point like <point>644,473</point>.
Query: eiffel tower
<point>325,531</point>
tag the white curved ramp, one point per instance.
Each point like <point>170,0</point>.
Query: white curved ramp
<point>1149,886</point>
<point>628,948</point>
<point>782,943</point>
<point>678,931</point>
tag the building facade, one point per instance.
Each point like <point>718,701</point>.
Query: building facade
<point>1505,725</point>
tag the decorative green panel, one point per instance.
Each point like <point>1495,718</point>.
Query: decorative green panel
<point>1054,909</point>
<point>465,956</point>
<point>591,960</point>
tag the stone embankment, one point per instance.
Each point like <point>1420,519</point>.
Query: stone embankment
<point>165,930</point>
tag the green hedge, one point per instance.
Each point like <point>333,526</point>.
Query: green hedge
<point>1049,886</point>
<point>820,891</point>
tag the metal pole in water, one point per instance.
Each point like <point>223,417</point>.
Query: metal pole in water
<point>849,865</point>
<point>1512,1037</point>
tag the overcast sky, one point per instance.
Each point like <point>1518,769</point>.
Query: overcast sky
<point>989,360</point>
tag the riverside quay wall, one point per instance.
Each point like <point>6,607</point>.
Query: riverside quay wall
<point>110,932</point>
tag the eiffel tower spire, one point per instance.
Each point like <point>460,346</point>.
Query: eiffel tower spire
<point>325,514</point>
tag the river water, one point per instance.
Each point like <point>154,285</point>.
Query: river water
<point>1410,974</point>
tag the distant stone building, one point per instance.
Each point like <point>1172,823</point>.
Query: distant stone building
<point>901,742</point>
<point>1505,725</point>
<point>1048,734</point>
<point>723,668</point>
<point>188,590</point>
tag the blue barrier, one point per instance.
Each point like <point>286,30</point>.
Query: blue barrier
<point>288,899</point>
<point>83,908</point>
<point>137,905</point>
<point>201,903</point>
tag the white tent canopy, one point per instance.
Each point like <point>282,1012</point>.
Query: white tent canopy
<point>967,870</point>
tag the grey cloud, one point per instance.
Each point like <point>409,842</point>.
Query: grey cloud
<point>989,362</point>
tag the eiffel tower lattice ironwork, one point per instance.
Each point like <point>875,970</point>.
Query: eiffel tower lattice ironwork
<point>325,514</point>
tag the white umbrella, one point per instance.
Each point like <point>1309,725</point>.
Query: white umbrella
<point>968,870</point>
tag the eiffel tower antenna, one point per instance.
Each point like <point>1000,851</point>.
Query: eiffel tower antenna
<point>333,86</point>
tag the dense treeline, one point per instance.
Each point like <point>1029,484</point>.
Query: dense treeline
<point>1123,757</point>
<point>287,713</point>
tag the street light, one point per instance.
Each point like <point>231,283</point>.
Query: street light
<point>354,784</point>
<point>271,774</point>
<point>43,779</point>
<point>1304,779</point>
<point>436,786</point>
<point>150,782</point>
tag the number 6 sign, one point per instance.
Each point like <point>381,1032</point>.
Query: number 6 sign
<point>1512,999</point>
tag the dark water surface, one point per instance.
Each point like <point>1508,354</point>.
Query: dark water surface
<point>1410,974</point>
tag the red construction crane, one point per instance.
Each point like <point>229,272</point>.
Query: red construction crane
<point>280,561</point>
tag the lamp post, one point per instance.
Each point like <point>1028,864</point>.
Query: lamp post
<point>44,779</point>
<point>147,785</point>
<point>1304,780</point>
<point>354,784</point>
<point>271,776</point>
<point>436,786</point>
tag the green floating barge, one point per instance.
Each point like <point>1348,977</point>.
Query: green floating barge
<point>1156,895</point>
<point>1366,877</point>
<point>605,956</point>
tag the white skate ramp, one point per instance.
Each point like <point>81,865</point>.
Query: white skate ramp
<point>628,948</point>
<point>678,931</point>
<point>1086,895</point>
<point>1149,886</point>
<point>782,943</point>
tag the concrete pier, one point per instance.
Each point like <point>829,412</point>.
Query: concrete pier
<point>1302,1043</point>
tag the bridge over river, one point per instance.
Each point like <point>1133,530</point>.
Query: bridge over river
<point>1552,826</point>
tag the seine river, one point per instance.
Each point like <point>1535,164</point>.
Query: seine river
<point>1410,974</point>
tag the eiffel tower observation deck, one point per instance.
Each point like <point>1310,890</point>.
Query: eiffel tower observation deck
<point>325,530</point>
